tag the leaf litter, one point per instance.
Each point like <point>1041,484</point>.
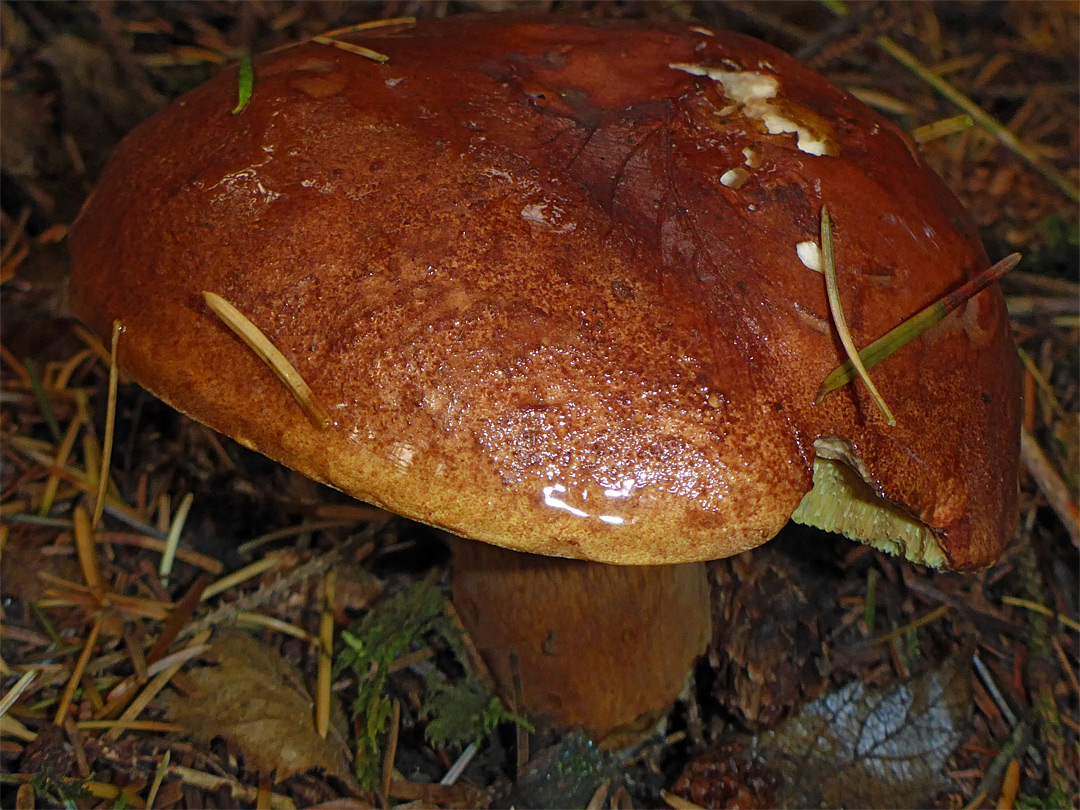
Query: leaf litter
<point>257,701</point>
<point>857,746</point>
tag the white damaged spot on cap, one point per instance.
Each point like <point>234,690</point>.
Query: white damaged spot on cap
<point>810,255</point>
<point>752,157</point>
<point>755,92</point>
<point>734,178</point>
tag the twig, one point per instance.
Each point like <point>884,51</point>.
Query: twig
<point>1050,484</point>
<point>210,782</point>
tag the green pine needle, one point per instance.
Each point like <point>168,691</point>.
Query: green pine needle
<point>914,326</point>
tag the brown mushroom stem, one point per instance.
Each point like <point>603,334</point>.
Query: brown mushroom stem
<point>605,647</point>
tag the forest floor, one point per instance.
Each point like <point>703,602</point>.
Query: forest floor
<point>108,699</point>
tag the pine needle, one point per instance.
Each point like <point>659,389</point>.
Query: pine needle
<point>62,454</point>
<point>173,539</point>
<point>17,690</point>
<point>895,339</point>
<point>244,574</point>
<point>349,47</point>
<point>326,656</point>
<point>77,672</point>
<point>939,129</point>
<point>833,291</point>
<point>110,426</point>
<point>678,802</point>
<point>37,385</point>
<point>151,690</point>
<point>84,545</point>
<point>1035,607</point>
<point>129,725</point>
<point>279,625</point>
<point>271,355</point>
<point>159,777</point>
<point>925,619</point>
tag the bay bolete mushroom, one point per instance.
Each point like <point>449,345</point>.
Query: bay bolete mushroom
<point>556,287</point>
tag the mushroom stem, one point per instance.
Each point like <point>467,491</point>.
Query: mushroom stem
<point>605,647</point>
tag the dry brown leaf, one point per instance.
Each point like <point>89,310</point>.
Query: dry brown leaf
<point>257,702</point>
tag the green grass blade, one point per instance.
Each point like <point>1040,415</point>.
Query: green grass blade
<point>246,83</point>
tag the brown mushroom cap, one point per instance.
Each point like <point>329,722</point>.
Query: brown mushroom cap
<point>544,277</point>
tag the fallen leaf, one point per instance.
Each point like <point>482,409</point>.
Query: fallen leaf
<point>256,701</point>
<point>855,747</point>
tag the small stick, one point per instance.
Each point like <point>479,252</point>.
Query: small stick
<point>459,767</point>
<point>991,686</point>
<point>1050,484</point>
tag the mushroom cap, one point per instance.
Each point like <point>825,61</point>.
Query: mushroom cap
<point>550,281</point>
